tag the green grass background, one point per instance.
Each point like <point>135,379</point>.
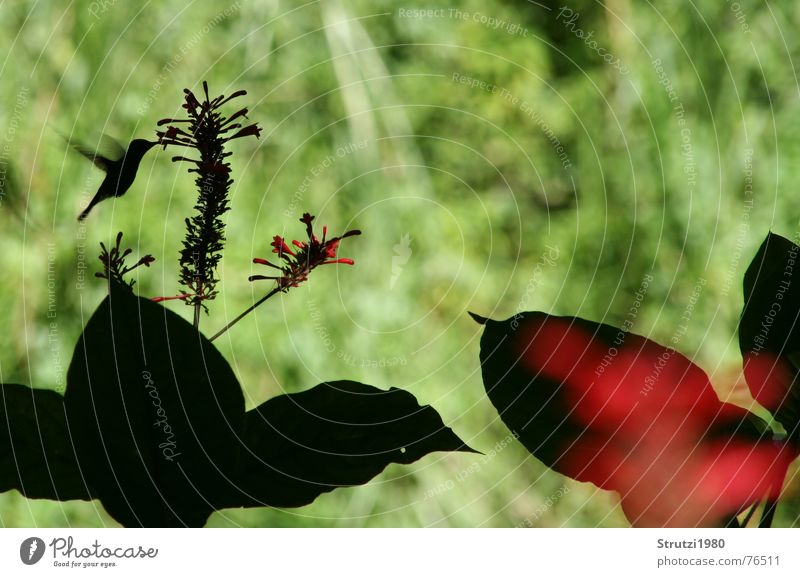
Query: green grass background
<point>472,175</point>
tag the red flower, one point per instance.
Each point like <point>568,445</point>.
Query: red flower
<point>298,263</point>
<point>609,407</point>
<point>654,429</point>
<point>179,297</point>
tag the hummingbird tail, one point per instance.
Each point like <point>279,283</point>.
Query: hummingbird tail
<point>95,199</point>
<point>82,216</point>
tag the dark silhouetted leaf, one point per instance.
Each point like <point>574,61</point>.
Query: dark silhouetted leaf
<point>154,410</point>
<point>613,408</point>
<point>36,454</point>
<point>338,434</point>
<point>769,330</point>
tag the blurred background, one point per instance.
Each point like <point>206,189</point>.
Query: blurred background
<point>498,156</point>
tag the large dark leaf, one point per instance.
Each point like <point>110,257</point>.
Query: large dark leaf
<point>769,330</point>
<point>613,408</point>
<point>36,454</point>
<point>155,411</point>
<point>338,434</point>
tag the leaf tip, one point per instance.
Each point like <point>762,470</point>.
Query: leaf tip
<point>478,319</point>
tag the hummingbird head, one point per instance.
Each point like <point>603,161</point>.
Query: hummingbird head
<point>140,146</point>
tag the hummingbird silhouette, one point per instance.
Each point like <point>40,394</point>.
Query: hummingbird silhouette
<point>120,166</point>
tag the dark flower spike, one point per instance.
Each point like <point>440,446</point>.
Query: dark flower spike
<point>205,130</point>
<point>114,262</point>
<point>251,130</point>
<point>234,116</point>
<point>164,121</point>
<point>298,264</point>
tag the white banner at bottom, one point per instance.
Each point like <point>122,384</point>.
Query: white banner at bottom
<point>399,552</point>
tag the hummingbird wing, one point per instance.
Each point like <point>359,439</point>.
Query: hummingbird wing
<point>98,160</point>
<point>110,147</point>
<point>107,151</point>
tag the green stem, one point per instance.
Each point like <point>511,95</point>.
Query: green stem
<point>247,311</point>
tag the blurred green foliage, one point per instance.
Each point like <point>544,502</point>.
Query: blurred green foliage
<point>371,121</point>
